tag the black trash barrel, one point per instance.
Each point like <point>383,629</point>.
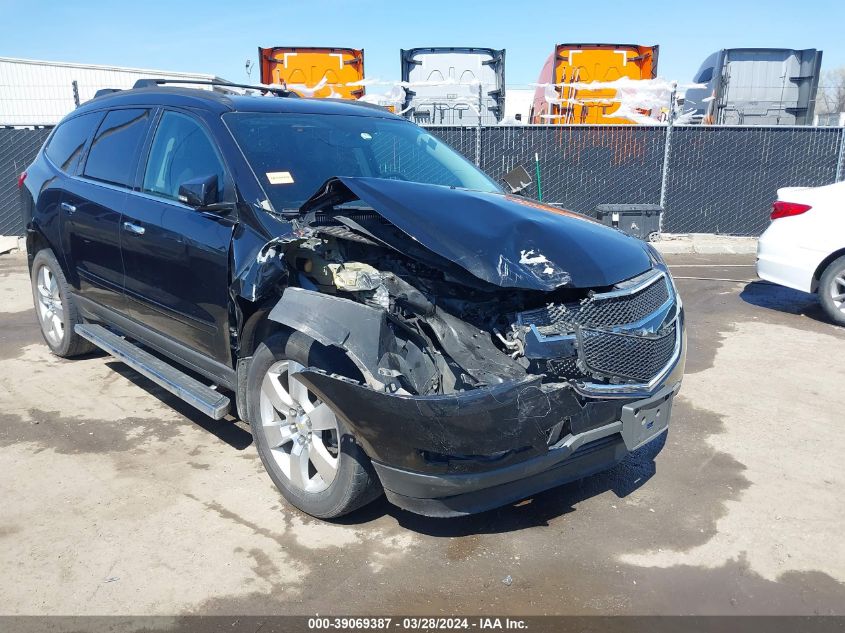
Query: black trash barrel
<point>639,220</point>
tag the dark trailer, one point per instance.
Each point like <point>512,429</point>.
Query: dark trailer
<point>756,86</point>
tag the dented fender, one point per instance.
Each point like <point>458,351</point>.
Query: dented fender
<point>356,328</point>
<point>256,264</point>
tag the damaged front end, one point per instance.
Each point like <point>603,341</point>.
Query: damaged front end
<point>492,361</point>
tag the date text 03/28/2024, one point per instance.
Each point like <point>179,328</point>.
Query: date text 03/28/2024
<point>418,623</point>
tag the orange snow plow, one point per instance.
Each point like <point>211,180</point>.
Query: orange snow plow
<point>561,97</point>
<point>314,72</point>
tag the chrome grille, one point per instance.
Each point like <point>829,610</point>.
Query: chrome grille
<point>626,356</point>
<point>601,310</point>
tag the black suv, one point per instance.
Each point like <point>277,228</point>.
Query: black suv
<point>378,309</point>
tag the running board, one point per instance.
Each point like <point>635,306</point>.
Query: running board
<point>160,372</point>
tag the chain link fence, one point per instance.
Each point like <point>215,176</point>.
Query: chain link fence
<point>724,179</point>
<point>718,179</point>
<point>713,179</point>
<point>580,166</point>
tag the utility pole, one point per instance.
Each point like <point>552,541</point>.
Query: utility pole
<point>478,130</point>
<point>670,125</point>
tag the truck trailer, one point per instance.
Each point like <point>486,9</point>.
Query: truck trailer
<point>756,86</point>
<point>560,97</point>
<point>314,71</point>
<point>442,85</point>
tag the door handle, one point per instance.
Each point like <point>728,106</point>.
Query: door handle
<point>67,206</point>
<point>134,228</point>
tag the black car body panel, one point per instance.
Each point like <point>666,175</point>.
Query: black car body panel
<point>90,234</point>
<point>484,330</point>
<point>505,240</point>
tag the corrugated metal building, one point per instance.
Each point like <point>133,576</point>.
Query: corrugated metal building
<point>40,92</point>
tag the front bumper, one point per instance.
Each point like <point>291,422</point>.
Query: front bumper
<point>574,457</point>
<point>462,453</point>
<point>457,495</point>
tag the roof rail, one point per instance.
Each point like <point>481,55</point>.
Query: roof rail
<point>152,83</point>
<point>105,91</point>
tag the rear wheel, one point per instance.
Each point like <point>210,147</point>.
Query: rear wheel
<point>832,291</point>
<point>305,448</point>
<point>56,312</point>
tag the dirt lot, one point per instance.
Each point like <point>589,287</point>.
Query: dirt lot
<point>116,498</point>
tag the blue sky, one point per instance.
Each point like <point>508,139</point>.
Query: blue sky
<point>217,38</point>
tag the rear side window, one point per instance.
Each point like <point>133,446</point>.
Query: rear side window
<point>114,152</point>
<point>181,151</point>
<point>69,139</point>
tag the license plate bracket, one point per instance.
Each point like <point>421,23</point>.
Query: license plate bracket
<point>644,420</point>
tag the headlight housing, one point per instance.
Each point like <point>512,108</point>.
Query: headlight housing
<point>657,261</point>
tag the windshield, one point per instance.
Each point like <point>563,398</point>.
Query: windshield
<point>293,154</point>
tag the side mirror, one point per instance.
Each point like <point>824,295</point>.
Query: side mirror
<point>199,192</point>
<point>517,179</point>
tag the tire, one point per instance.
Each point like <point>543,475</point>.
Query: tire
<point>832,291</point>
<point>54,307</point>
<point>299,451</point>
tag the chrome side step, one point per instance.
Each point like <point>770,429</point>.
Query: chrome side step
<point>160,372</point>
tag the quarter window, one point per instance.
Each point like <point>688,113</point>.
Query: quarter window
<point>69,139</point>
<point>181,151</point>
<point>114,152</point>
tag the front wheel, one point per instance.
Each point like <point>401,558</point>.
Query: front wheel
<point>305,448</point>
<point>832,291</point>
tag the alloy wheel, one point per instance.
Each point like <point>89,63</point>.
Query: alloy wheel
<point>50,312</point>
<point>300,430</point>
<point>837,291</point>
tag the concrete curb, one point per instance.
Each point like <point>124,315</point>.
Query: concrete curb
<point>705,244</point>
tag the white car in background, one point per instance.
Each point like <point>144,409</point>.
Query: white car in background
<point>804,247</point>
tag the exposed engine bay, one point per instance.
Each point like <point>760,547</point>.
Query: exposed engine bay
<point>447,335</point>
<point>441,329</point>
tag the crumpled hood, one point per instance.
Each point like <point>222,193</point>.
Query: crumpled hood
<point>503,239</point>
